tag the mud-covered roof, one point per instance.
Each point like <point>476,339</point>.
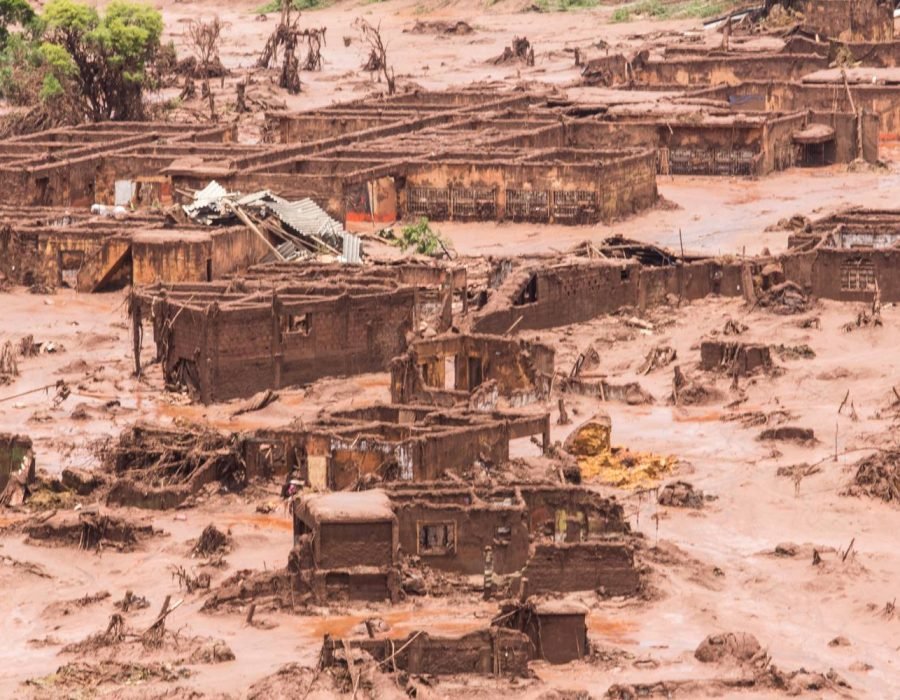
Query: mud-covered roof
<point>352,506</point>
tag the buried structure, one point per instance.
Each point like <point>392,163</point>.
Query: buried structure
<point>524,539</point>
<point>290,324</point>
<point>465,155</point>
<point>393,442</point>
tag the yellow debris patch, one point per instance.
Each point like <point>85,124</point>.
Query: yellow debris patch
<point>592,438</point>
<point>625,469</point>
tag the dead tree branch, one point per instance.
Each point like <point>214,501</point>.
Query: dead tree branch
<point>378,58</point>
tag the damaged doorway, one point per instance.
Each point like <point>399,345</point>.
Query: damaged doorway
<point>70,264</point>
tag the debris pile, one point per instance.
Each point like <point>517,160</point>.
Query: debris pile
<point>160,468</point>
<point>785,299</point>
<point>89,530</point>
<point>789,433</point>
<point>520,50</point>
<point>212,541</point>
<point>658,357</point>
<point>440,27</point>
<point>735,358</point>
<point>690,392</point>
<point>272,589</point>
<point>9,367</point>
<point>680,494</point>
<point>299,230</point>
<point>599,460</point>
<point>731,647</point>
<point>17,468</point>
<point>877,476</point>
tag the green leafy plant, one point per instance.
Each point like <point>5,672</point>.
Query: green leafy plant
<point>15,12</point>
<point>420,237</point>
<point>275,6</point>
<point>685,9</point>
<point>103,60</point>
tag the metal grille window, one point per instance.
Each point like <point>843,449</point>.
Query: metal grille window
<point>857,275</point>
<point>433,202</point>
<point>574,205</point>
<point>528,205</point>
<point>473,203</point>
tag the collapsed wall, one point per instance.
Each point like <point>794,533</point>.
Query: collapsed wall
<point>447,369</point>
<point>289,324</point>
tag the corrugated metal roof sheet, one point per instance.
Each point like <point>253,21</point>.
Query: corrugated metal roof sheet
<point>307,217</point>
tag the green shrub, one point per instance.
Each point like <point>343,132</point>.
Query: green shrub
<point>421,238</point>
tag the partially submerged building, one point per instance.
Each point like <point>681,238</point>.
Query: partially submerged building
<point>850,256</point>
<point>528,539</point>
<point>549,291</point>
<point>463,156</point>
<point>279,325</point>
<point>61,247</point>
<point>445,371</point>
<point>346,546</point>
<point>393,443</point>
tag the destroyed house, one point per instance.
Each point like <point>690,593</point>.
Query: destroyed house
<point>448,369</point>
<point>449,526</point>
<point>873,103</point>
<point>112,163</point>
<point>556,629</point>
<point>497,651</point>
<point>849,256</point>
<point>345,546</point>
<point>392,443</point>
<point>847,20</point>
<point>538,538</point>
<point>687,65</point>
<point>473,160</point>
<point>462,156</point>
<point>553,291</point>
<point>286,324</point>
<point>694,135</point>
<point>58,247</point>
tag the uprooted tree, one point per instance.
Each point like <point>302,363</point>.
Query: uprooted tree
<point>286,38</point>
<point>203,38</point>
<point>377,62</point>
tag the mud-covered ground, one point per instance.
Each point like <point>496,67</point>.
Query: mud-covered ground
<point>710,570</point>
<point>714,569</point>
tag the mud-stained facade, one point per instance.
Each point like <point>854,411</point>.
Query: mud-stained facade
<point>351,448</point>
<point>345,547</point>
<point>528,539</point>
<point>280,325</point>
<point>16,459</point>
<point>58,247</point>
<point>472,370</point>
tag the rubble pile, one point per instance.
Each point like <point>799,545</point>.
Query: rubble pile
<point>680,494</point>
<point>599,460</point>
<point>305,229</point>
<point>877,476</point>
<point>786,298</point>
<point>160,468</point>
